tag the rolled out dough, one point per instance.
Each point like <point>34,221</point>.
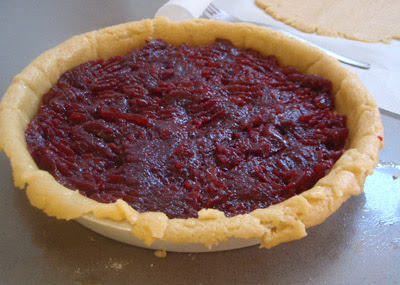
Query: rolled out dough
<point>363,20</point>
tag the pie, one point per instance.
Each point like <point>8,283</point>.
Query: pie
<point>280,222</point>
<point>177,129</point>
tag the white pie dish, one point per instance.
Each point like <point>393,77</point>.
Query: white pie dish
<point>121,231</point>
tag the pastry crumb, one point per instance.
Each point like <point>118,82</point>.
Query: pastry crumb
<point>160,253</point>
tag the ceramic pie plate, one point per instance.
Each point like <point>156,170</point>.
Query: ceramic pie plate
<point>121,231</point>
<point>280,223</point>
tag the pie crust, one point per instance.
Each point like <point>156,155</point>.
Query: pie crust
<point>282,222</point>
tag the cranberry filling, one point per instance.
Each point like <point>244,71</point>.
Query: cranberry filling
<point>179,129</point>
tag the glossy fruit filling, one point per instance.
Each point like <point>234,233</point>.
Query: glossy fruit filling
<point>179,129</point>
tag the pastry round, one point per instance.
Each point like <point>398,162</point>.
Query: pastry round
<point>273,225</point>
<point>376,20</point>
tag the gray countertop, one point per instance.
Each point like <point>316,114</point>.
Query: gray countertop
<point>359,244</point>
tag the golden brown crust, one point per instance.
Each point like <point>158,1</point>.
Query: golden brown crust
<point>279,223</point>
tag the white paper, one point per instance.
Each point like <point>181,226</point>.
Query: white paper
<point>179,10</point>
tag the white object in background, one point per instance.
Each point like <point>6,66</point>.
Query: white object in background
<point>179,10</point>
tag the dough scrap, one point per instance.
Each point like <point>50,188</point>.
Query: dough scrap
<point>362,20</point>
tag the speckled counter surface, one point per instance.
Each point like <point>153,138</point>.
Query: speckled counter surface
<point>359,244</point>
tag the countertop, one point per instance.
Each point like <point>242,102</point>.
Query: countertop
<point>359,244</point>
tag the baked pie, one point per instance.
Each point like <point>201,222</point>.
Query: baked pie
<point>192,132</point>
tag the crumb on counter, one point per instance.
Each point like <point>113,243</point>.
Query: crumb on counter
<point>160,253</point>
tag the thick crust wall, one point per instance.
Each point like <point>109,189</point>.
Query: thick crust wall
<point>279,223</point>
